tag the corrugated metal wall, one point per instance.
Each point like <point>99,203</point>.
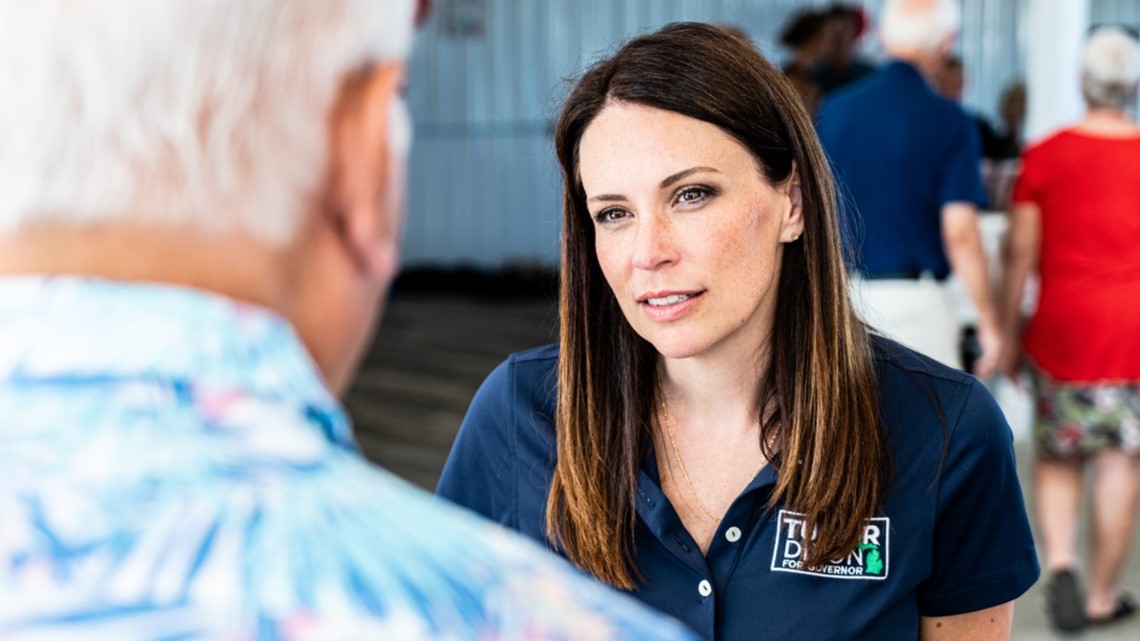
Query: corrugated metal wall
<point>488,75</point>
<point>1115,11</point>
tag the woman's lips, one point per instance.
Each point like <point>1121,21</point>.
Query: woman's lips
<point>669,306</point>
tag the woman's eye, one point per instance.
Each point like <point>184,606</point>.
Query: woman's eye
<point>610,215</point>
<point>693,194</point>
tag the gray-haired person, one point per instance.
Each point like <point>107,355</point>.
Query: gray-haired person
<point>1074,220</point>
<point>909,163</point>
<point>199,218</point>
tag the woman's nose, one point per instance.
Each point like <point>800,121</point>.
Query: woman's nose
<point>655,244</point>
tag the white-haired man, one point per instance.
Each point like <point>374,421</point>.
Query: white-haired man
<point>909,164</point>
<point>200,214</point>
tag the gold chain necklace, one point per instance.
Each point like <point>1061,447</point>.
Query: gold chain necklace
<point>680,463</point>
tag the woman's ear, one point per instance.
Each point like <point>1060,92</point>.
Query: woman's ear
<point>793,224</point>
<point>370,135</point>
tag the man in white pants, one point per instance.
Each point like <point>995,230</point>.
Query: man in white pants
<point>909,162</point>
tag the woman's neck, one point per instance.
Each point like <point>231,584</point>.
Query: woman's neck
<point>1102,121</point>
<point>724,391</point>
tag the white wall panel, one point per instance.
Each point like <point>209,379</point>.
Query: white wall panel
<point>484,187</point>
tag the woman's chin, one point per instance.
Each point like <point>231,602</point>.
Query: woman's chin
<point>675,348</point>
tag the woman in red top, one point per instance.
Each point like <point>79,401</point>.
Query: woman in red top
<point>1076,218</point>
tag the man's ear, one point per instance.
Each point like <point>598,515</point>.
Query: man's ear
<point>367,168</point>
<point>946,47</point>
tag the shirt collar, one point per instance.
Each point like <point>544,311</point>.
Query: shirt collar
<point>905,70</point>
<point>73,328</point>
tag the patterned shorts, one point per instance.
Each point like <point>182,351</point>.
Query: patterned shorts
<point>1074,420</point>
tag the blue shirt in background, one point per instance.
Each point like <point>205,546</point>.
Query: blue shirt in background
<point>952,537</point>
<point>899,152</point>
<point>173,468</point>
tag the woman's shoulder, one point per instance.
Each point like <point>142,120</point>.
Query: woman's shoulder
<point>529,372</point>
<point>524,384</point>
<point>502,454</point>
<point>537,356</point>
<point>897,363</point>
<point>917,390</point>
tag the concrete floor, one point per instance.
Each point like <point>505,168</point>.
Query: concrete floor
<point>434,350</point>
<point>1029,622</point>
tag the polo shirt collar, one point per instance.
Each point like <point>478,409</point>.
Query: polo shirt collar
<point>655,510</point>
<point>906,72</point>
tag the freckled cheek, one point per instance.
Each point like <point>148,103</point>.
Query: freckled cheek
<point>756,219</point>
<point>610,262</point>
<point>746,255</point>
<point>730,246</point>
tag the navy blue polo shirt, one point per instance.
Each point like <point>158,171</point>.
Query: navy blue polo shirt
<point>945,543</point>
<point>899,152</point>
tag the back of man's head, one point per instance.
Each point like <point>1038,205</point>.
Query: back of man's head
<point>210,114</point>
<point>1110,68</point>
<point>910,28</point>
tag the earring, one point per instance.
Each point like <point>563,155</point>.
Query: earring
<point>795,238</point>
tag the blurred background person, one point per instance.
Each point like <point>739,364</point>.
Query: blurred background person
<point>1005,141</point>
<point>201,213</point>
<point>1001,145</point>
<point>908,164</point>
<point>951,79</point>
<point>1076,220</point>
<point>838,63</point>
<point>803,37</point>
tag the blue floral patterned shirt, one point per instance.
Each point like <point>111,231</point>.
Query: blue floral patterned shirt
<point>173,468</point>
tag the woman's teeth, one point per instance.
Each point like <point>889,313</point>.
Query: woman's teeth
<point>668,300</point>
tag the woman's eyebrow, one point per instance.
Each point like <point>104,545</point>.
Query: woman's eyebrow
<point>669,180</point>
<point>681,174</point>
<point>607,198</point>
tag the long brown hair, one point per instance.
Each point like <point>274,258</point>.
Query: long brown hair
<point>819,394</point>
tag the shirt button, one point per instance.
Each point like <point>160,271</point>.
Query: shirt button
<point>705,588</point>
<point>733,534</point>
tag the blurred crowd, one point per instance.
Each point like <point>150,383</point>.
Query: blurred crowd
<point>1068,203</point>
<point>823,46</point>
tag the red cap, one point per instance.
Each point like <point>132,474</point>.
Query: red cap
<point>423,10</point>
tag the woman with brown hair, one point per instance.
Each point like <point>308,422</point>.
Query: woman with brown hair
<point>716,431</point>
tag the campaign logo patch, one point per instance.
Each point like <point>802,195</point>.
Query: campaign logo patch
<point>870,561</point>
